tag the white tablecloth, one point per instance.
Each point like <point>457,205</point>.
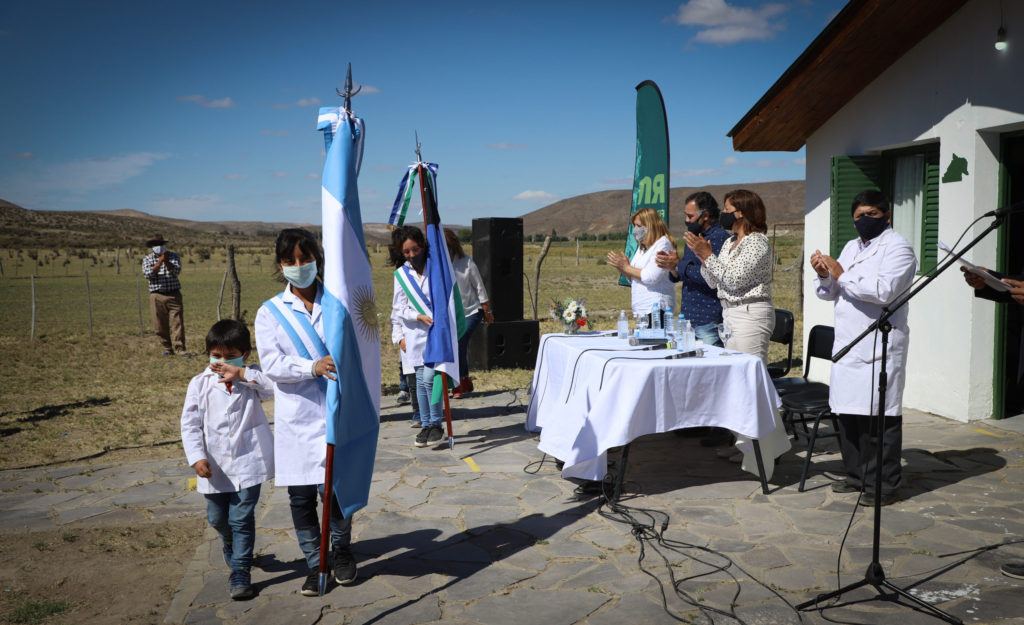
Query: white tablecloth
<point>592,392</point>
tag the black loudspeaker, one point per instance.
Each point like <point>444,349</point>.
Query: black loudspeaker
<point>504,345</point>
<point>498,253</point>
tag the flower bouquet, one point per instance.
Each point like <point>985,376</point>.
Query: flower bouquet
<point>572,313</point>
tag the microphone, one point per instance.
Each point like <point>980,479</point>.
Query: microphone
<point>653,347</point>
<point>1006,210</point>
<point>697,353</point>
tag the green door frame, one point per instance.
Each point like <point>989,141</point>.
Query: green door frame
<point>1002,265</point>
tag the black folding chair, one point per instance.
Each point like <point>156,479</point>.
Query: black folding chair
<point>783,333</point>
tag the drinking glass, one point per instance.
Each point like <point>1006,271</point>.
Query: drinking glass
<point>725,334</point>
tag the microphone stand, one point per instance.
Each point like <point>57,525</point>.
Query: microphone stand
<point>875,575</point>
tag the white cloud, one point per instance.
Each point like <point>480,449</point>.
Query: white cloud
<point>201,100</point>
<point>720,23</point>
<point>313,176</point>
<point>94,173</point>
<point>690,173</point>
<point>25,156</point>
<point>730,160</point>
<point>314,101</point>
<point>281,174</point>
<point>534,195</point>
<point>237,176</point>
<point>369,90</point>
<point>506,146</point>
<point>800,161</point>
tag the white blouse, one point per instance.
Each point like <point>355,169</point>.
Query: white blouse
<point>471,285</point>
<point>654,284</point>
<point>405,325</point>
<point>743,274</point>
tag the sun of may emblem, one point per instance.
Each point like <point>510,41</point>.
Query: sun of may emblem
<point>364,313</point>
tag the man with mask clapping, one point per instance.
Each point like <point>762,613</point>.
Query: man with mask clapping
<point>161,267</point>
<point>870,273</point>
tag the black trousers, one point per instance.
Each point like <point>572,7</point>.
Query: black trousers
<point>857,441</point>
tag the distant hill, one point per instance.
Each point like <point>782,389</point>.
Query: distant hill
<point>607,211</point>
<point>592,213</point>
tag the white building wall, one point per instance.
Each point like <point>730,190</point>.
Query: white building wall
<point>953,87</point>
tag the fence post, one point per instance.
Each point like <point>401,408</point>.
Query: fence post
<point>138,299</point>
<point>236,286</point>
<point>88,300</point>
<point>117,261</point>
<point>220,298</point>
<point>32,329</point>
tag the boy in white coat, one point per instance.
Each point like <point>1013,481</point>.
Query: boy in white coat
<point>871,272</point>
<point>228,442</point>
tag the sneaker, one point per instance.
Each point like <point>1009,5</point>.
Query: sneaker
<point>1013,569</point>
<point>421,438</point>
<point>185,354</point>
<point>241,586</point>
<point>843,486</point>
<point>344,565</point>
<point>403,398</point>
<point>168,352</point>
<point>434,433</point>
<point>311,587</point>
<point>868,499</point>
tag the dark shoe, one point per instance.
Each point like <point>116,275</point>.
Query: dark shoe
<point>844,487</point>
<point>403,398</point>
<point>421,438</point>
<point>434,433</point>
<point>344,565</point>
<point>1013,569</point>
<point>458,391</point>
<point>311,587</point>
<point>185,354</point>
<point>868,499</point>
<point>168,352</point>
<point>241,586</point>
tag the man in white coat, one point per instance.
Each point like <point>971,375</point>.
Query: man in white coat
<point>870,273</point>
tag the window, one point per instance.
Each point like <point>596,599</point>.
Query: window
<point>910,178</point>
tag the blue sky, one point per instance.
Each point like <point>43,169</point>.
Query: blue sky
<point>207,110</point>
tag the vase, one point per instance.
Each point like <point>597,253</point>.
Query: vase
<point>571,328</point>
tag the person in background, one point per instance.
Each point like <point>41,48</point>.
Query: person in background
<point>1013,568</point>
<point>870,273</point>
<point>221,403</point>
<point>698,302</point>
<point>475,305</point>
<point>649,283</point>
<point>742,272</point>
<point>161,268</point>
<point>290,340</point>
<point>410,321</point>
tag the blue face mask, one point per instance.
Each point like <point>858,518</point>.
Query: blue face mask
<point>238,362</point>
<point>300,276</point>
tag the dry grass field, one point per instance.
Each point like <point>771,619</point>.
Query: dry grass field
<point>69,393</point>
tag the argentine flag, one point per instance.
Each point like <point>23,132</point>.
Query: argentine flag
<point>442,349</point>
<point>350,315</point>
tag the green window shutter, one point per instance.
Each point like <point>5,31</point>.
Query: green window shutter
<point>850,176</point>
<point>930,214</point>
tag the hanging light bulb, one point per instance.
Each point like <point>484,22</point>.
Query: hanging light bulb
<point>1001,39</point>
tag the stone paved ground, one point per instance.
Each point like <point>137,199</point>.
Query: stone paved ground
<point>473,537</point>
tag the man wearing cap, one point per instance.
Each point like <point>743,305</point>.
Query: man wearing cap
<point>161,267</point>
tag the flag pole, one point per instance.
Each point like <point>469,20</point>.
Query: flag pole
<point>325,534</point>
<point>444,377</point>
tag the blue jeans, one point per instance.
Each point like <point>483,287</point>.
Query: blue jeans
<point>472,322</point>
<point>430,414</point>
<point>403,385</point>
<point>708,333</point>
<point>307,522</point>
<point>233,515</point>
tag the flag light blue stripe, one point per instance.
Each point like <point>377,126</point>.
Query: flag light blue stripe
<point>353,421</point>
<point>294,336</point>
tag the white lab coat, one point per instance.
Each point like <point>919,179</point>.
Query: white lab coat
<point>404,323</point>
<point>300,407</point>
<point>228,430</point>
<point>871,279</point>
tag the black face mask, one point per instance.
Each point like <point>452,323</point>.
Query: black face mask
<point>419,260</point>
<point>695,226</point>
<point>870,227</point>
<point>727,220</point>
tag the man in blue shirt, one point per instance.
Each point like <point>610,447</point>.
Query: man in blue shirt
<point>699,302</point>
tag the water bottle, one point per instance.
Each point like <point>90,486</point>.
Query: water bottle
<point>669,327</point>
<point>691,337</point>
<point>623,325</point>
<point>656,316</point>
<point>681,333</point>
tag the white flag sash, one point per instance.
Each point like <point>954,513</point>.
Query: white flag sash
<point>420,300</point>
